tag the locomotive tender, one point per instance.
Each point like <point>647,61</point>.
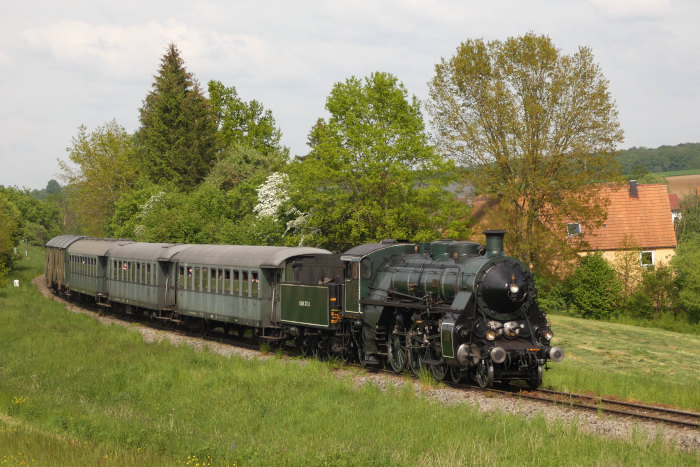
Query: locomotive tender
<point>456,308</point>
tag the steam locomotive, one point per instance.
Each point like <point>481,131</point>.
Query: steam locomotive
<point>455,308</point>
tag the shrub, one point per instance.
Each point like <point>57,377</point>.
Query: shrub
<point>685,266</point>
<point>594,289</point>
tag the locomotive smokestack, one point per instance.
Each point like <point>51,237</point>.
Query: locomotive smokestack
<point>494,242</point>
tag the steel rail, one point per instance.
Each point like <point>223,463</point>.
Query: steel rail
<point>602,408</point>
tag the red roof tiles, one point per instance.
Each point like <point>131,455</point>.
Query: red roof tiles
<point>646,219</point>
<point>673,200</point>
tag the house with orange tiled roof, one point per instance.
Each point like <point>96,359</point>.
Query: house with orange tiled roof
<point>637,214</point>
<point>675,206</point>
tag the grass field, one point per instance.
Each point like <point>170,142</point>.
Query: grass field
<point>679,173</point>
<point>75,392</point>
<point>631,362</point>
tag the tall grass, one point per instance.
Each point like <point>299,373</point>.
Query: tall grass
<point>68,382</point>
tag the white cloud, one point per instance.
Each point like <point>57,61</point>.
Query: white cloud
<point>5,61</point>
<point>633,8</point>
<point>127,50</point>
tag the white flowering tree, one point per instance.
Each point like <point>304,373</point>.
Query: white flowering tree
<point>271,195</point>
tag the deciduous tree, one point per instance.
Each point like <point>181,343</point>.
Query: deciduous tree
<point>10,235</point>
<point>536,127</point>
<point>244,124</point>
<point>103,166</point>
<point>371,173</point>
<point>685,266</point>
<point>689,222</point>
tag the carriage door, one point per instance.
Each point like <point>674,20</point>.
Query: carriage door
<point>273,278</point>
<point>102,273</point>
<point>170,290</point>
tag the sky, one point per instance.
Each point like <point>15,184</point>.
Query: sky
<point>69,63</point>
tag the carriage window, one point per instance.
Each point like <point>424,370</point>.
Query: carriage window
<point>220,283</point>
<point>189,279</point>
<point>227,281</point>
<point>149,279</point>
<point>244,290</point>
<point>236,282</point>
<point>197,279</point>
<point>115,270</point>
<point>254,285</point>
<point>212,280</point>
<point>138,272</point>
<point>205,279</point>
<point>181,278</point>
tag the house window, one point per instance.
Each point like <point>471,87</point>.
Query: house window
<point>646,258</point>
<point>573,229</point>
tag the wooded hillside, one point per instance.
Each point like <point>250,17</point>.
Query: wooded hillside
<point>638,161</point>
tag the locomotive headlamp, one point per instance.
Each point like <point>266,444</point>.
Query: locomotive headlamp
<point>511,328</point>
<point>513,287</point>
<point>548,335</point>
<point>490,335</point>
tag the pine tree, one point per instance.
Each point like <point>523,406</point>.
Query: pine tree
<point>177,137</point>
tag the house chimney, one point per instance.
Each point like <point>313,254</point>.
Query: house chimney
<point>633,189</point>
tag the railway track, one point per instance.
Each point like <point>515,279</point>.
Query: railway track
<point>609,406</point>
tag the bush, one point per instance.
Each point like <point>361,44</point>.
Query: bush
<point>594,289</point>
<point>550,295</point>
<point>685,266</point>
<point>654,295</point>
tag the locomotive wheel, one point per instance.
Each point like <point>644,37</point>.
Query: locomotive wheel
<point>398,354</point>
<point>361,355</point>
<point>484,374</point>
<point>415,361</point>
<point>455,374</point>
<point>536,382</point>
<point>439,370</point>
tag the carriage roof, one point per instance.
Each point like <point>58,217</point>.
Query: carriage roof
<point>243,256</point>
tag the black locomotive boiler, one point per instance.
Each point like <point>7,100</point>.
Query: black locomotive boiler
<point>457,309</point>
